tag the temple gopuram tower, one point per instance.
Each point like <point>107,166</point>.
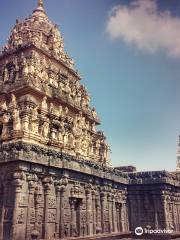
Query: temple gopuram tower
<point>56,179</point>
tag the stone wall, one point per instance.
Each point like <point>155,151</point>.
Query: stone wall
<point>154,200</point>
<point>59,201</point>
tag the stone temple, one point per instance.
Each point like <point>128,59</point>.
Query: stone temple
<point>56,178</point>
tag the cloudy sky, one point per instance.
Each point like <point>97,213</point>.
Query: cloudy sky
<point>128,53</point>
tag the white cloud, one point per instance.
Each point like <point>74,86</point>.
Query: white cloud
<point>142,25</point>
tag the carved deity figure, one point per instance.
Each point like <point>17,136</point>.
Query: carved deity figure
<point>91,149</point>
<point>16,70</point>
<point>61,87</point>
<point>98,145</point>
<point>60,136</point>
<point>106,151</point>
<point>34,120</point>
<point>67,88</point>
<point>44,105</point>
<point>65,137</point>
<point>44,75</point>
<point>6,74</point>
<point>45,129</point>
<point>78,98</point>
<point>31,68</point>
<point>16,120</point>
<point>78,144</point>
<point>53,133</point>
<point>60,110</point>
<point>25,69</point>
<point>51,77</point>
<point>25,122</point>
<point>13,103</point>
<point>83,102</point>
<point>66,110</point>
<point>85,144</point>
<point>71,140</point>
<point>61,132</point>
<point>5,121</point>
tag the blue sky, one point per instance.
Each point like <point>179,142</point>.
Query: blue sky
<point>134,85</point>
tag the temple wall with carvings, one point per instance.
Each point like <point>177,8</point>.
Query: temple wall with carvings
<point>154,200</point>
<point>59,203</point>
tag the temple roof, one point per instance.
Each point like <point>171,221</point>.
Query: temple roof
<point>37,29</point>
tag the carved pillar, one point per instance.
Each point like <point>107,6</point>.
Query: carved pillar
<point>109,199</point>
<point>103,206</point>
<point>62,213</point>
<point>58,193</point>
<point>164,202</point>
<point>88,211</point>
<point>156,224</point>
<point>126,214</point>
<point>73,217</point>
<point>94,211</point>
<point>98,215</point>
<point>17,183</point>
<point>114,215</point>
<point>46,196</point>
<point>119,220</point>
<point>123,216</point>
<point>173,214</point>
<point>29,208</point>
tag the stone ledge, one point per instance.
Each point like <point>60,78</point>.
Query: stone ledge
<point>100,237</point>
<point>32,153</point>
<point>156,236</point>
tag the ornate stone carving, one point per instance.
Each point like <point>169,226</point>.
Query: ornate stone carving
<point>16,120</point>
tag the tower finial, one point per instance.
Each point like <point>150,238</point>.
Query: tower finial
<point>40,3</point>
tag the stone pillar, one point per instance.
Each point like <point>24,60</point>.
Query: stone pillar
<point>94,212</point>
<point>73,217</point>
<point>98,215</point>
<point>37,201</point>
<point>46,198</point>
<point>17,183</point>
<point>103,208</point>
<point>173,214</point>
<point>88,212</point>
<point>58,190</point>
<point>123,216</point>
<point>114,214</point>
<point>109,199</point>
<point>31,186</point>
<point>127,216</point>
<point>156,223</point>
<point>62,213</point>
<point>164,203</point>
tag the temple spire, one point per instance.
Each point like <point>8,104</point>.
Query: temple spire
<point>40,7</point>
<point>40,3</point>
